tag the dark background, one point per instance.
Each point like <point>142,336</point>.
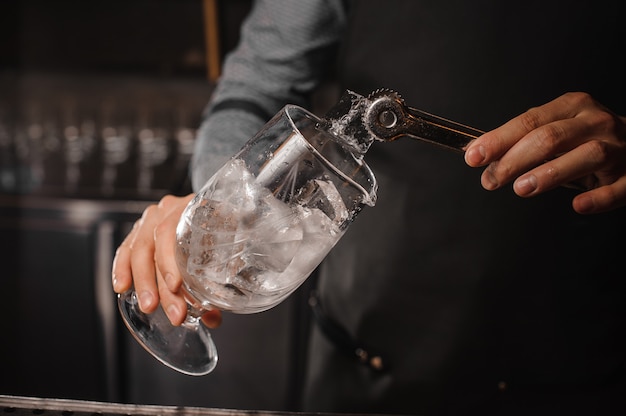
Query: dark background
<point>69,70</point>
<point>148,37</point>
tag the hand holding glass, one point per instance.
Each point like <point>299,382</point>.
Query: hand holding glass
<point>256,231</point>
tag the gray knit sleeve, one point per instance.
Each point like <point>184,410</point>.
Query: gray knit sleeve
<point>286,48</point>
<point>219,137</point>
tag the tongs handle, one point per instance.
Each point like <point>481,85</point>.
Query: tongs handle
<point>388,118</point>
<point>437,130</point>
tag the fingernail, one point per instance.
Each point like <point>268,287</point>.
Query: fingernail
<point>475,155</point>
<point>115,283</point>
<point>145,300</point>
<point>173,312</point>
<point>585,204</point>
<point>170,281</point>
<point>489,181</point>
<point>526,185</point>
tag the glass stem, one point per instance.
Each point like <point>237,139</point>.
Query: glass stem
<point>194,313</point>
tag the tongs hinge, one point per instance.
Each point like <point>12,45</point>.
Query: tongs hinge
<point>383,116</point>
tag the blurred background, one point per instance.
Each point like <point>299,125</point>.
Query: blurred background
<point>99,105</point>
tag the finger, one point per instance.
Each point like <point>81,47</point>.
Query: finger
<point>168,276</point>
<point>173,303</point>
<point>568,168</point>
<point>122,277</point>
<point>165,242</point>
<point>165,252</point>
<point>212,318</point>
<point>602,199</point>
<point>534,149</point>
<point>142,261</point>
<point>492,145</point>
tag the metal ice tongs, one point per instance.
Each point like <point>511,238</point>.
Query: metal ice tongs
<point>384,116</point>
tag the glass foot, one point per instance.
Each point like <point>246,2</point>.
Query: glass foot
<point>188,348</point>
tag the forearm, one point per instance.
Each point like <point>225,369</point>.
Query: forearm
<point>285,50</point>
<point>220,136</point>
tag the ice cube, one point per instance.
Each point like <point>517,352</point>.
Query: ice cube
<point>274,249</point>
<point>275,235</point>
<point>232,180</point>
<point>323,195</point>
<point>215,255</point>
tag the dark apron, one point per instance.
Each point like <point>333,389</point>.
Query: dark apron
<point>475,300</point>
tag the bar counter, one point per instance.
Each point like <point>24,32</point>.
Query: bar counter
<point>16,405</point>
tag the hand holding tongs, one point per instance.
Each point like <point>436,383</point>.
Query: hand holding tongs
<point>384,116</point>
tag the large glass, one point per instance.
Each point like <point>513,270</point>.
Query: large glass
<point>256,231</point>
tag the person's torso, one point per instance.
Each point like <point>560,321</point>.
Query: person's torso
<point>455,285</point>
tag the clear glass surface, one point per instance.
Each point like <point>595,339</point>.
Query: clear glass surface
<point>256,231</point>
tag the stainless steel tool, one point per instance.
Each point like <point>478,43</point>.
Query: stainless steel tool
<point>384,116</point>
